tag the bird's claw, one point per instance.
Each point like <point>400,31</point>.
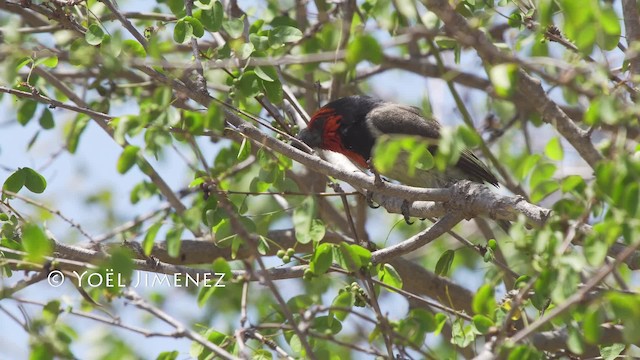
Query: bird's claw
<point>369,199</point>
<point>405,211</point>
<point>377,179</point>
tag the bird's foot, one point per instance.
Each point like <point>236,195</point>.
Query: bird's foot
<point>405,211</point>
<point>377,179</point>
<point>369,199</point>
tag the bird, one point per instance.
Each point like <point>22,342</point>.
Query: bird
<point>352,125</point>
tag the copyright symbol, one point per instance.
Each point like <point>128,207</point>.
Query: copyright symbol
<point>55,278</point>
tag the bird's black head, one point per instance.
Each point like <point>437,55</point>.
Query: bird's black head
<point>340,126</point>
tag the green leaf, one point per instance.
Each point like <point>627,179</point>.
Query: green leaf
<point>299,303</point>
<point>612,352</point>
<point>626,307</point>
<point>182,32</point>
<point>33,181</point>
<point>150,237</point>
<point>177,7</point>
<point>444,263</point>
<point>35,243</point>
<point>591,325</point>
<point>46,119</point>
<point>75,131</point>
<point>302,219</point>
<point>245,150</point>
<point>574,340</point>
<point>244,51</point>
<point>273,90</point>
<point>127,158</point>
<point>441,320</point>
<point>196,25</point>
<point>573,182</point>
<point>133,48</point>
<point>234,27</point>
<point>344,300</point>
<point>554,150</point>
<point>260,42</point>
<point>94,34</point>
<point>174,240</point>
<point>214,119</point>
<point>462,335</point>
<point>483,302</point>
<point>595,249</point>
<point>26,111</point>
<point>322,259</point>
<point>524,352</point>
<point>470,138</point>
<point>15,181</point>
<point>266,73</point>
<point>390,276</point>
<point>212,18</point>
<point>281,35</point>
<point>364,47</point>
<point>168,355</point>
<point>609,38</point>
<point>482,323</point>
<point>504,77</point>
<point>416,325</point>
<point>355,256</point>
<point>51,311</point>
<point>50,62</point>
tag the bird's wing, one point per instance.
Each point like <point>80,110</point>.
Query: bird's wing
<point>389,118</point>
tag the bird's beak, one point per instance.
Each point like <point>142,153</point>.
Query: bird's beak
<point>311,138</point>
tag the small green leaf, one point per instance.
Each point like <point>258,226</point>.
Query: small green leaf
<point>355,256</point>
<point>196,25</point>
<point>575,343</point>
<point>322,259</point>
<point>50,62</point>
<point>15,181</point>
<point>504,77</point>
<point>612,352</point>
<point>26,111</point>
<point>94,34</point>
<point>150,237</point>
<point>182,32</point>
<point>174,240</point>
<point>51,311</point>
<point>244,51</point>
<point>444,263</point>
<point>46,119</point>
<point>483,302</point>
<point>343,300</point>
<point>177,7</point>
<point>133,48</point>
<point>554,150</point>
<point>234,27</point>
<point>302,219</point>
<point>127,158</point>
<point>212,18</point>
<point>390,276</point>
<point>591,325</point>
<point>482,323</point>
<point>273,90</point>
<point>364,47</point>
<point>266,73</point>
<point>33,181</point>
<point>245,150</point>
<point>214,119</point>
<point>281,35</point>
<point>35,243</point>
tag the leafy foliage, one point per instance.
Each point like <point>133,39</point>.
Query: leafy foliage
<point>197,103</point>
